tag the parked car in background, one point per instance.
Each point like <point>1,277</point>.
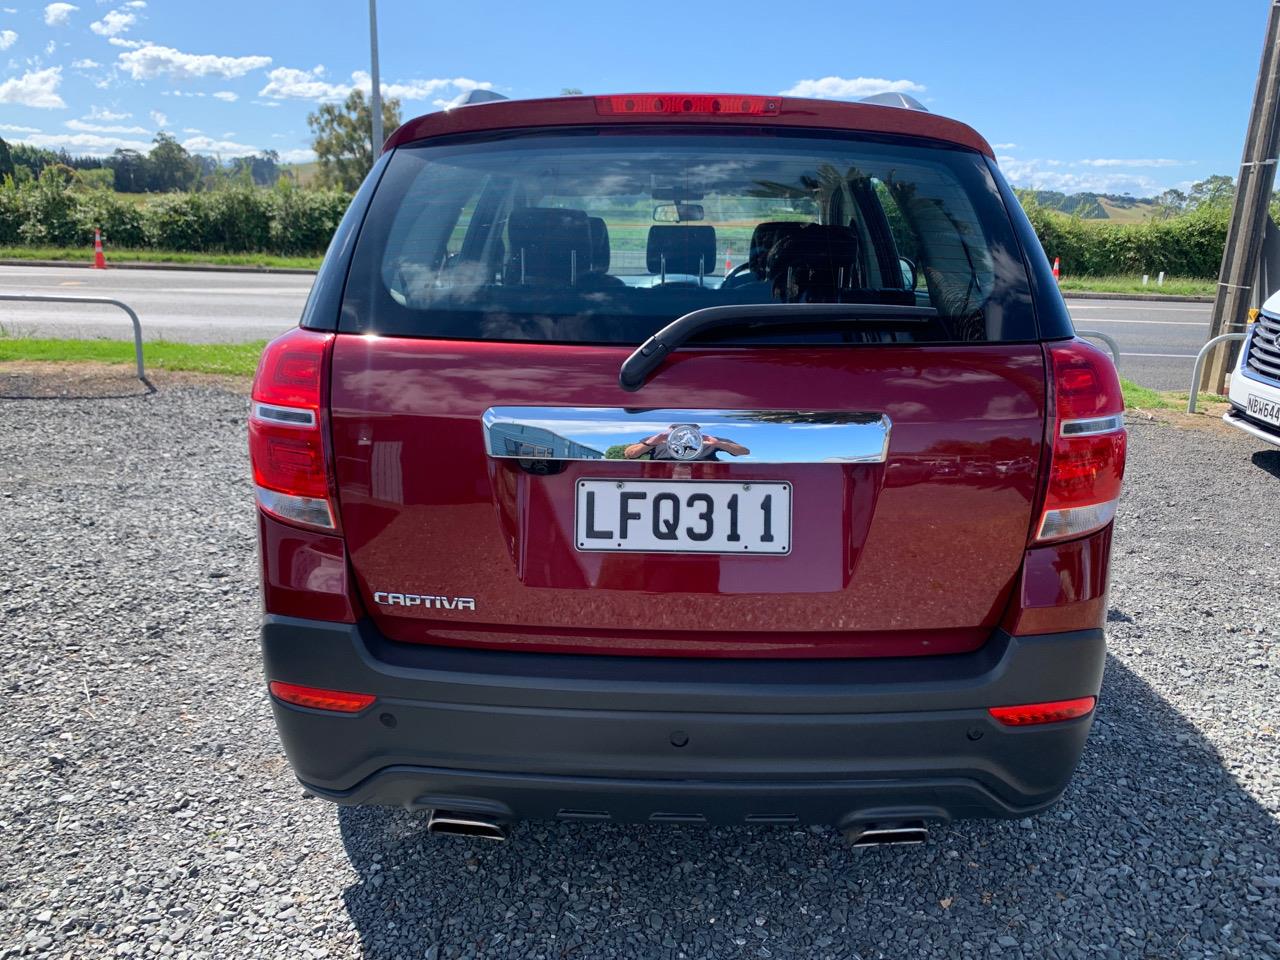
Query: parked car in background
<point>1255,383</point>
<point>564,516</point>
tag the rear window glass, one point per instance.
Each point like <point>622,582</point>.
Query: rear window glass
<point>607,236</point>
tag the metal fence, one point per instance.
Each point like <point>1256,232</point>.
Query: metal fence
<point>53,298</point>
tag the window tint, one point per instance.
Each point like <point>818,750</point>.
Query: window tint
<point>604,237</point>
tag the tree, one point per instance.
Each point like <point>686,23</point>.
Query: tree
<point>130,168</point>
<point>169,165</point>
<point>1215,191</point>
<point>6,161</point>
<point>341,138</point>
<point>570,92</point>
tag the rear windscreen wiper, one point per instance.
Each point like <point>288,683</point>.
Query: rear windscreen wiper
<point>650,354</point>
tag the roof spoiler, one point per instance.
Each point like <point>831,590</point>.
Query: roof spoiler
<point>901,100</point>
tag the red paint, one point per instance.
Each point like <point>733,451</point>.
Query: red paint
<point>792,112</point>
<point>304,574</point>
<point>916,556</point>
<point>1063,587</point>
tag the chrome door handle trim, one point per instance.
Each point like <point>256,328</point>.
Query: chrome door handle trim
<point>686,435</point>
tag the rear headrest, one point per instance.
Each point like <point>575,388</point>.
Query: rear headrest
<point>599,244</point>
<point>764,236</point>
<point>689,250</point>
<point>550,241</point>
<point>816,262</point>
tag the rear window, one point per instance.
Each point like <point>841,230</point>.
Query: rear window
<point>604,237</point>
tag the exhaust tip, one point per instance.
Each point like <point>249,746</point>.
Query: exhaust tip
<point>465,825</point>
<point>883,834</point>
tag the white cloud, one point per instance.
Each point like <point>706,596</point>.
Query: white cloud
<point>49,47</point>
<point>137,4</point>
<point>85,64</point>
<point>300,155</point>
<point>159,119</point>
<point>850,88</point>
<point>126,43</point>
<point>92,144</point>
<point>151,60</point>
<point>210,145</point>
<point>1005,146</point>
<point>113,24</point>
<point>59,14</point>
<point>267,103</point>
<point>7,39</point>
<point>226,96</point>
<point>37,88</point>
<point>192,130</point>
<point>1049,175</point>
<point>288,83</point>
<point>1115,162</point>
<point>99,113</point>
<point>104,128</point>
<point>14,128</point>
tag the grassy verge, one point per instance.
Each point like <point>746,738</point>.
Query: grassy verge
<point>1173,286</point>
<point>1144,398</point>
<point>236,359</point>
<point>159,256</point>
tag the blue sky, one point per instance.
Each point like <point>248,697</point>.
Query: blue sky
<point>1081,95</point>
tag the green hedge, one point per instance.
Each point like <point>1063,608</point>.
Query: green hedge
<point>238,219</point>
<point>289,221</point>
<point>1189,245</point>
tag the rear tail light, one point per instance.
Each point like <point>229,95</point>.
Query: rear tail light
<point>318,698</point>
<point>1088,443</point>
<point>669,103</point>
<point>1055,711</point>
<point>286,432</point>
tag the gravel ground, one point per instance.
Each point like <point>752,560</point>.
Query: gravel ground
<point>147,810</point>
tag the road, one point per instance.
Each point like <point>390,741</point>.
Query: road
<point>1158,340</point>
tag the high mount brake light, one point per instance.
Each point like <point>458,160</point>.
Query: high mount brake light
<point>318,698</point>
<point>675,103</point>
<point>1088,443</point>
<point>286,434</point>
<point>1032,714</point>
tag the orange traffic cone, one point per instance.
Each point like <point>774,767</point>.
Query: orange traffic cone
<point>728,263</point>
<point>1057,269</point>
<point>99,261</point>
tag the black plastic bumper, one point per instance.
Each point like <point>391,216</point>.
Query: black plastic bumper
<point>519,735</point>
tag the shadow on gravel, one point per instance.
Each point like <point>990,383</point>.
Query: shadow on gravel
<point>1156,851</point>
<point>1268,460</point>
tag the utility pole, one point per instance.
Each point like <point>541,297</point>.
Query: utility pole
<point>375,95</point>
<point>1249,216</point>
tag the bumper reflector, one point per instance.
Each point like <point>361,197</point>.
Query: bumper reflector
<point>340,701</point>
<point>1054,711</point>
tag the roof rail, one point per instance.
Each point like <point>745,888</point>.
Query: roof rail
<point>901,100</point>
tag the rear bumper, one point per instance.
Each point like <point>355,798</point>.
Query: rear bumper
<point>516,735</point>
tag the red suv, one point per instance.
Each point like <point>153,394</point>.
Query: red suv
<point>686,458</point>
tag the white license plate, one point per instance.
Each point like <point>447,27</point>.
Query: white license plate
<point>683,516</point>
<point>1264,409</point>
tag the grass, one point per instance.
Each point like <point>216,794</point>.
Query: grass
<point>159,256</point>
<point>1140,212</point>
<point>1144,398</point>
<point>1173,286</point>
<point>234,359</point>
<point>241,359</point>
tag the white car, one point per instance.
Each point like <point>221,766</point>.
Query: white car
<point>1255,384</point>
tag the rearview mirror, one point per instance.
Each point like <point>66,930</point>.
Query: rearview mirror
<point>678,212</point>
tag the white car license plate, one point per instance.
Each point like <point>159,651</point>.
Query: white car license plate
<point>1264,409</point>
<point>683,516</point>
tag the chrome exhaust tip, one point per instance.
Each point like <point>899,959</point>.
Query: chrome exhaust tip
<point>465,825</point>
<point>881,834</point>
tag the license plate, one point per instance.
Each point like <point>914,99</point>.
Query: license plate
<point>683,516</point>
<point>1264,409</point>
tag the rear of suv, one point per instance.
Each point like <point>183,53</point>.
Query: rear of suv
<point>686,459</point>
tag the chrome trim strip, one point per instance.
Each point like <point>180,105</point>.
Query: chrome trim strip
<point>748,436</point>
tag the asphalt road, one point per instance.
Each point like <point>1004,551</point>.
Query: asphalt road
<point>1158,341</point>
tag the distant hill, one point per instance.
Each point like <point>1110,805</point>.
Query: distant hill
<point>1121,208</point>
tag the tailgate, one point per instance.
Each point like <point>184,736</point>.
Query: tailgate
<point>912,554</point>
